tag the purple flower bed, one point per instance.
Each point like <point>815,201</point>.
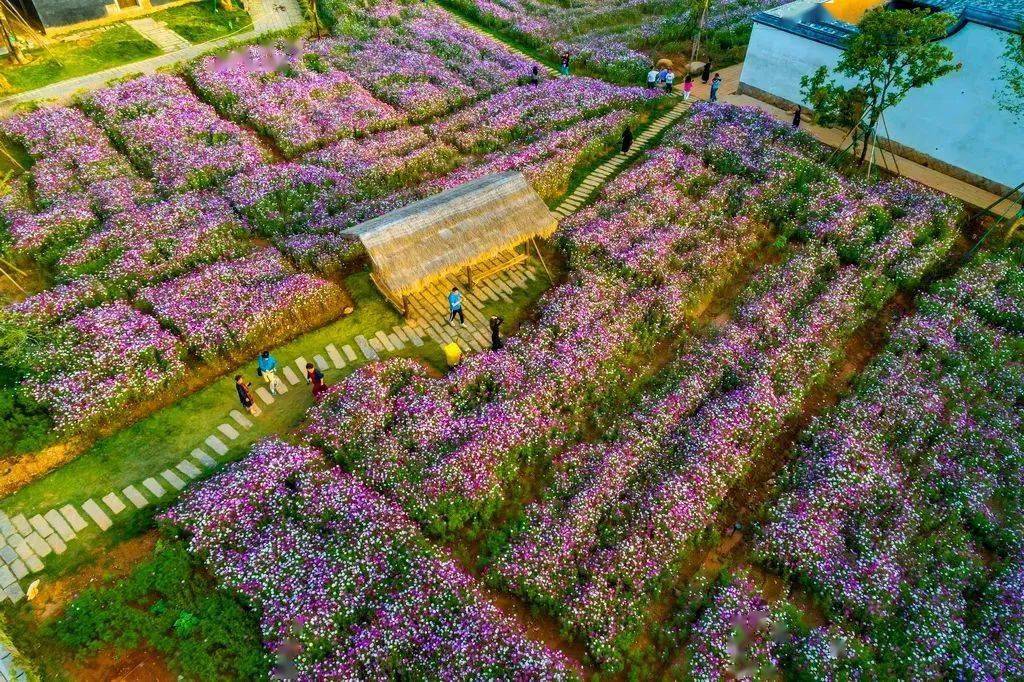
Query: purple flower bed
<point>344,572</point>
<point>99,362</point>
<point>292,96</point>
<point>528,112</point>
<point>74,160</point>
<point>895,491</point>
<point>244,305</point>
<point>147,244</point>
<point>171,135</point>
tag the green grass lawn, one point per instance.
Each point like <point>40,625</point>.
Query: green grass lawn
<point>120,44</point>
<point>198,22</point>
<point>163,439</point>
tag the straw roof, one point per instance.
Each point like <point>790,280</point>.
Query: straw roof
<point>416,245</point>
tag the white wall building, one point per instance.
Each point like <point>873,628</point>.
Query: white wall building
<point>954,125</point>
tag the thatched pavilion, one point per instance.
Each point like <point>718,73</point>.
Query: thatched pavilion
<point>474,230</point>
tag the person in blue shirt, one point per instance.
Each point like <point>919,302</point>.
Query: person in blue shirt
<point>266,367</point>
<point>455,306</point>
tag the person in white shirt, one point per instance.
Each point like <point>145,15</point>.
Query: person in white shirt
<point>652,77</point>
<point>670,78</point>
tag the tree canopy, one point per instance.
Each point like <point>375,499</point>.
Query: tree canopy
<point>892,52</point>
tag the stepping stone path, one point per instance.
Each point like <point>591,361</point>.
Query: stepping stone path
<point>335,356</point>
<point>135,497</point>
<point>173,479</point>
<point>217,445</point>
<point>350,353</point>
<point>204,458</point>
<point>241,419</point>
<point>96,514</point>
<point>228,431</point>
<point>588,189</point>
<point>188,468</point>
<point>114,503</point>
<point>153,486</point>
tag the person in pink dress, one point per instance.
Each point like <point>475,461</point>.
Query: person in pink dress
<point>687,86</point>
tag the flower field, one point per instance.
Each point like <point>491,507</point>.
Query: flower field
<point>617,39</point>
<point>347,575</point>
<point>151,192</point>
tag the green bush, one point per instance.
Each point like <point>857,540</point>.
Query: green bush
<point>169,603</point>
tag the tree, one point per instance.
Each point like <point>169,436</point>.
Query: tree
<point>1011,97</point>
<point>892,52</point>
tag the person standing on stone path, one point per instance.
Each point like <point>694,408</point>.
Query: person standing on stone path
<point>266,367</point>
<point>652,78</point>
<point>315,378</point>
<point>687,86</point>
<point>496,342</point>
<point>455,306</point>
<point>796,116</point>
<point>705,75</point>
<point>627,139</point>
<point>244,394</point>
<point>716,83</point>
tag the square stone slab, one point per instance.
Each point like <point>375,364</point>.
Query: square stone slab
<point>203,458</point>
<point>291,376</point>
<point>58,523</point>
<point>96,514</point>
<point>135,497</point>
<point>217,445</point>
<point>8,554</point>
<point>21,524</point>
<point>335,356</point>
<point>241,419</point>
<point>153,486</point>
<point>14,592</point>
<point>57,544</point>
<point>114,503</point>
<point>38,544</point>
<point>72,516</point>
<point>188,468</point>
<point>19,569</point>
<point>265,395</point>
<point>173,479</point>
<point>350,352</point>
<point>300,364</point>
<point>228,430</point>
<point>34,563</point>
<point>321,363</point>
<point>6,577</point>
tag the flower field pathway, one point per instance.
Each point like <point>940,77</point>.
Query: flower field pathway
<point>587,190</point>
<point>267,16</point>
<point>27,540</point>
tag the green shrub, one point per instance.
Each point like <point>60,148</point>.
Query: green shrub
<point>172,605</point>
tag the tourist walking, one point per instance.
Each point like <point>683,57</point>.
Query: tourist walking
<point>652,78</point>
<point>670,78</point>
<point>716,83</point>
<point>661,76</point>
<point>796,116</point>
<point>315,378</point>
<point>245,395</point>
<point>627,141</point>
<point>496,342</point>
<point>266,367</point>
<point>705,74</point>
<point>687,86</point>
<point>565,64</point>
<point>455,306</point>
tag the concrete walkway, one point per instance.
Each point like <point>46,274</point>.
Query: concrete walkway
<point>966,192</point>
<point>267,16</point>
<point>159,34</point>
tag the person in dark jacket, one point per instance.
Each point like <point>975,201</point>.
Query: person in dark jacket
<point>796,116</point>
<point>627,139</point>
<point>705,75</point>
<point>315,378</point>
<point>535,76</point>
<point>565,64</point>
<point>496,342</point>
<point>244,394</point>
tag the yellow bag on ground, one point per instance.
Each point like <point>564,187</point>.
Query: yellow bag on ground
<point>452,353</point>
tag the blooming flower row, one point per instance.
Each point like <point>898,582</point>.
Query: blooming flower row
<point>243,305</point>
<point>895,490</point>
<point>175,138</point>
<point>345,575</point>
